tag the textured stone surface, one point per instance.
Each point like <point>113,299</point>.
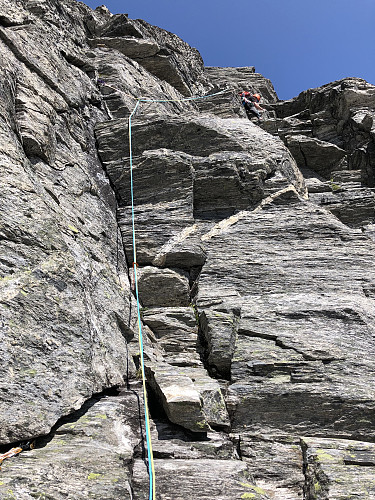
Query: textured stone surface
<point>225,166</point>
<point>163,287</point>
<point>177,332</point>
<point>297,321</point>
<point>87,457</point>
<point>330,130</point>
<point>64,292</point>
<point>277,466</point>
<point>258,304</point>
<point>320,156</point>
<point>182,479</point>
<point>339,469</point>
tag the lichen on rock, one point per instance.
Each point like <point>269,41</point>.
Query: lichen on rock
<point>255,246</point>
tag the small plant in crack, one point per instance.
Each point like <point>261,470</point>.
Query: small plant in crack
<point>334,186</point>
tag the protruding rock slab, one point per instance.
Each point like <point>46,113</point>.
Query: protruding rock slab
<point>321,156</point>
<point>339,469</point>
<point>180,399</point>
<point>189,396</point>
<point>163,287</point>
<point>354,207</point>
<point>219,330</point>
<point>87,458</point>
<point>130,46</point>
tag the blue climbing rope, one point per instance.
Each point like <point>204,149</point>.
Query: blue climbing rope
<point>151,468</point>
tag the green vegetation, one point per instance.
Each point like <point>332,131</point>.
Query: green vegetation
<point>73,229</point>
<point>258,490</point>
<point>201,424</point>
<point>334,186</point>
<point>317,487</point>
<point>92,476</point>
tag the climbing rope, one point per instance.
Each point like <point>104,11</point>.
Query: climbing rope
<point>135,265</point>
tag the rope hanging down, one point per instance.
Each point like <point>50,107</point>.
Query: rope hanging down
<point>150,456</point>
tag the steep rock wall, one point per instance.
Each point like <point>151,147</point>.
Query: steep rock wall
<point>257,301</point>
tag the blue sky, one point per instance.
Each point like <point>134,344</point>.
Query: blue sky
<point>297,44</point>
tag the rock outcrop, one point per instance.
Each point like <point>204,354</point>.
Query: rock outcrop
<point>255,248</point>
<point>330,132</point>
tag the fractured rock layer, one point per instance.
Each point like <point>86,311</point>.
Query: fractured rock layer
<point>255,251</point>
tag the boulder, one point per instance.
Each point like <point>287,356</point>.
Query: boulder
<point>320,156</point>
<point>163,287</point>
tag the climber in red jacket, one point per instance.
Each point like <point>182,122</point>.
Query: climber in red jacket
<point>251,103</point>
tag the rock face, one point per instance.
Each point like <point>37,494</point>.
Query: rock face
<point>330,132</point>
<point>254,245</point>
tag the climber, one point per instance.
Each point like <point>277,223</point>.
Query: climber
<point>250,103</point>
<point>100,82</point>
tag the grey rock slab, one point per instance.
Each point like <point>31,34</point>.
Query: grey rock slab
<point>119,25</point>
<point>126,80</point>
<point>219,330</point>
<point>261,357</point>
<point>49,65</point>
<point>163,287</point>
<point>88,457</point>
<point>277,466</point>
<point>65,295</point>
<point>163,197</point>
<point>206,479</point>
<point>235,159</point>
<point>189,396</point>
<point>36,119</point>
<point>177,63</point>
<point>204,135</point>
<point>338,468</point>
<point>178,395</point>
<point>354,207</point>
<point>315,154</point>
<point>316,317</point>
<point>184,250</point>
<point>132,47</point>
<point>273,246</point>
<point>164,67</point>
<point>177,332</point>
<point>364,119</point>
<point>277,407</point>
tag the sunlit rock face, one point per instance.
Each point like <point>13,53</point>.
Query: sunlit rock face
<point>254,265</point>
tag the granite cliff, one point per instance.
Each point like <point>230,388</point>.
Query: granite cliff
<point>255,251</point>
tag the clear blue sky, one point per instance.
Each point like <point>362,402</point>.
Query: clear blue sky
<point>298,44</point>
